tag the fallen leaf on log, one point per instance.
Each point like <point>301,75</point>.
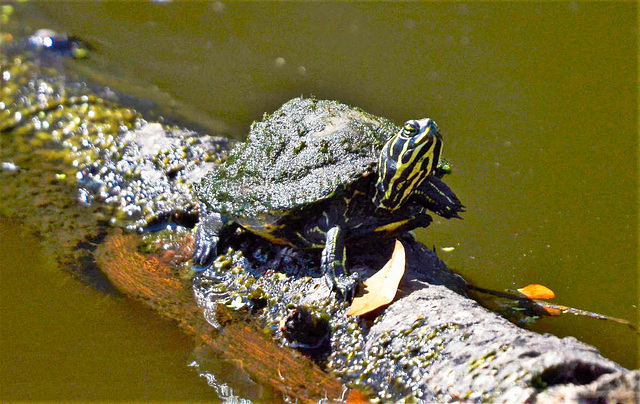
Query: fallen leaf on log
<point>382,286</point>
<point>535,291</point>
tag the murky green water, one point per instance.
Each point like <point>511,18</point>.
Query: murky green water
<point>538,103</point>
<point>62,340</point>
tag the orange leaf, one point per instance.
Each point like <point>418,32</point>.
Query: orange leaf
<point>536,291</point>
<point>552,311</point>
<point>382,286</point>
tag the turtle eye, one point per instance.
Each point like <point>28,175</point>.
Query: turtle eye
<point>411,128</point>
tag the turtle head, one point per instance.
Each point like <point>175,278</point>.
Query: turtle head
<point>405,161</point>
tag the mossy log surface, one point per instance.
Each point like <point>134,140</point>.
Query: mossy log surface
<point>76,171</point>
<point>153,280</point>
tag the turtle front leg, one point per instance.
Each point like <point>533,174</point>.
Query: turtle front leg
<point>211,228</point>
<point>333,266</point>
<point>436,196</point>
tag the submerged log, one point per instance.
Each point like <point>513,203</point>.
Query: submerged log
<point>154,280</point>
<point>433,343</point>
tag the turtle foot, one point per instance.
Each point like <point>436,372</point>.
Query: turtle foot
<point>346,286</point>
<point>204,250</point>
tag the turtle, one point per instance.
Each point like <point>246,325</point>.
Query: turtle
<point>318,174</point>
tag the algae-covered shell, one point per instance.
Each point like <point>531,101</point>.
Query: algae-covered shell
<point>305,152</point>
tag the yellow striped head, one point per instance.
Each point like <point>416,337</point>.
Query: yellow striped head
<point>405,161</point>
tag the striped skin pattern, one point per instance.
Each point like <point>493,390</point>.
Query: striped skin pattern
<point>405,161</point>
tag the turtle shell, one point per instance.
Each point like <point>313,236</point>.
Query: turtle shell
<point>306,152</point>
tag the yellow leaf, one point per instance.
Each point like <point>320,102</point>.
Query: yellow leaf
<point>535,291</point>
<point>382,286</point>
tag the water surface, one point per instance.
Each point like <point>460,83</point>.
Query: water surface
<point>62,340</point>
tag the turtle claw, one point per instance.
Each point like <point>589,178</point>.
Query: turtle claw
<point>212,228</point>
<point>204,250</point>
<point>347,286</point>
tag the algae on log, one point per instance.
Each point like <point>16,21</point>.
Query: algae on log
<point>432,344</point>
<point>153,280</point>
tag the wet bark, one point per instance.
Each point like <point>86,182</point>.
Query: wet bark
<point>484,356</point>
